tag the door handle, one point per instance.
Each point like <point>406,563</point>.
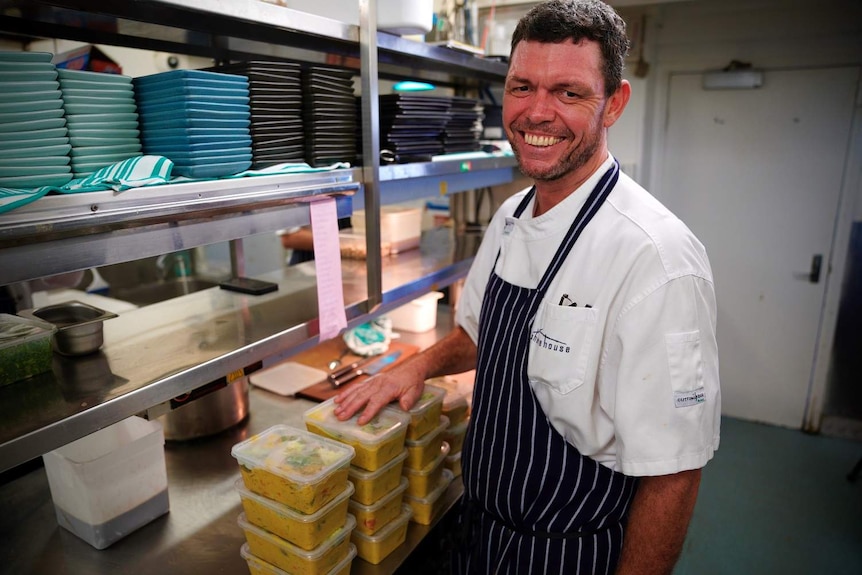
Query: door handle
<point>812,275</point>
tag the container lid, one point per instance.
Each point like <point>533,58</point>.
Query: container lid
<point>444,452</point>
<point>386,423</point>
<point>454,400</point>
<point>431,435</point>
<point>438,490</point>
<point>365,475</point>
<point>458,428</point>
<point>389,528</point>
<point>282,509</point>
<point>290,548</point>
<point>16,330</point>
<point>403,484</point>
<point>430,397</point>
<point>264,567</point>
<point>294,454</point>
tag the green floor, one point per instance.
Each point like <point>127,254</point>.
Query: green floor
<point>776,501</point>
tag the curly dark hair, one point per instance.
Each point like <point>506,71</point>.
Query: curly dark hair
<point>561,20</point>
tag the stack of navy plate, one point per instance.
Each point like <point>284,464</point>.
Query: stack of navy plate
<point>197,119</point>
<point>412,125</point>
<point>329,113</point>
<point>102,117</point>
<point>275,97</point>
<point>464,128</point>
<point>34,144</point>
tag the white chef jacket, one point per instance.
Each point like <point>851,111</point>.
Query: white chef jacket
<point>629,375</point>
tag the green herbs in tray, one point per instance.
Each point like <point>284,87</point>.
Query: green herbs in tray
<point>25,348</point>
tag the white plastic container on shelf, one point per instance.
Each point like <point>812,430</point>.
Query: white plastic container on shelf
<point>400,226</point>
<point>418,316</point>
<point>393,16</point>
<point>111,482</point>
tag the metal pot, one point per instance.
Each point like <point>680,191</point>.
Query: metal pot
<point>209,414</point>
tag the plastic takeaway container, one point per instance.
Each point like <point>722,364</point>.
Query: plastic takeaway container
<point>305,531</point>
<point>372,518</point>
<point>375,548</point>
<point>376,443</point>
<point>258,566</point>
<point>371,486</point>
<point>110,483</point>
<point>292,466</point>
<point>288,557</point>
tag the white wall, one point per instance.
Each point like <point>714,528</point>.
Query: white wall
<point>700,35</point>
<point>771,34</point>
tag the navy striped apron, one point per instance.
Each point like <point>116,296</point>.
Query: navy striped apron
<point>532,502</point>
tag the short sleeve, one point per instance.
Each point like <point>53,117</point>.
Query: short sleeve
<point>662,380</point>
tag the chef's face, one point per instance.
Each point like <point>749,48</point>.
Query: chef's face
<point>555,110</point>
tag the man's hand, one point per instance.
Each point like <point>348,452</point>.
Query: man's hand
<point>403,382</point>
<point>455,353</point>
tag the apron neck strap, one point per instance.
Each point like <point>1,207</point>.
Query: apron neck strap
<point>595,200</point>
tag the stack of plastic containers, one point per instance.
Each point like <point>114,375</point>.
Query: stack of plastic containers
<point>426,452</point>
<point>377,503</point>
<point>102,117</point>
<point>34,143</point>
<point>455,407</point>
<point>294,489</point>
<point>197,119</point>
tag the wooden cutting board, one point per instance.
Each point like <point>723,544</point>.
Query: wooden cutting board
<point>320,355</point>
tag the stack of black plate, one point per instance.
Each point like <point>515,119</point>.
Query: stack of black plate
<point>102,119</point>
<point>464,128</point>
<point>412,125</point>
<point>329,114</point>
<point>275,93</point>
<point>197,119</point>
<point>34,143</point>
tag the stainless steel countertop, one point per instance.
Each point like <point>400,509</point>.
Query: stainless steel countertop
<point>200,533</point>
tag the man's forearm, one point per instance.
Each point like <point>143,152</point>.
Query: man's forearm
<point>455,353</point>
<point>658,522</point>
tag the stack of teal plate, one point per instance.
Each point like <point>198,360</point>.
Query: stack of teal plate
<point>197,119</point>
<point>34,144</point>
<point>102,117</point>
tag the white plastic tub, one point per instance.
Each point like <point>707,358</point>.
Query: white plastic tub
<point>400,227</point>
<point>393,16</point>
<point>418,316</point>
<point>110,483</point>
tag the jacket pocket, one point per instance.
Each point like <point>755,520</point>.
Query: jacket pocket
<point>560,342</point>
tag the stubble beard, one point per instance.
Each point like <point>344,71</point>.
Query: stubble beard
<point>576,159</point>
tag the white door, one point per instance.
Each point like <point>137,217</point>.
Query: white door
<point>756,174</point>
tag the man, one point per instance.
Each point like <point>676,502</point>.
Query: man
<point>589,315</point>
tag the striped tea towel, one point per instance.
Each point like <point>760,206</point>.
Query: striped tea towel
<point>132,173</point>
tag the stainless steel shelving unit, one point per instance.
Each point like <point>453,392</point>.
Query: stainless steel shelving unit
<point>173,347</point>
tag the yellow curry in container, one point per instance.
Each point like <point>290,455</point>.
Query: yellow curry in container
<point>299,469</point>
<point>425,413</point>
<point>305,531</point>
<point>297,561</point>
<point>376,443</point>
